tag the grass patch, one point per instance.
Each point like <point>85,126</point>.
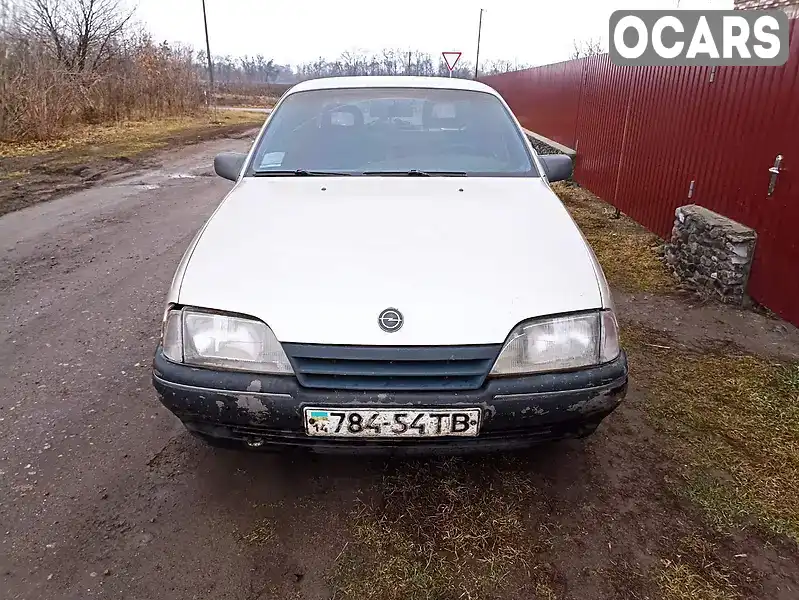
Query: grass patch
<point>694,573</point>
<point>13,175</point>
<point>680,581</point>
<point>446,529</point>
<point>733,419</point>
<point>627,252</point>
<point>127,138</point>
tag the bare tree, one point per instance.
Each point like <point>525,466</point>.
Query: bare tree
<point>81,34</point>
<point>391,66</point>
<point>386,62</point>
<point>5,14</point>
<point>495,67</point>
<point>64,62</point>
<point>589,47</point>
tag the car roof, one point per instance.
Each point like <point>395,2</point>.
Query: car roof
<point>395,81</point>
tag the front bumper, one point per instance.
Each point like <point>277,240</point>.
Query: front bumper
<point>516,412</point>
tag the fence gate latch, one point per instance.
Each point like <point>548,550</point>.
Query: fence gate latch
<point>775,171</point>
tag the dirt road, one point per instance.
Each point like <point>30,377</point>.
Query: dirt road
<point>103,494</point>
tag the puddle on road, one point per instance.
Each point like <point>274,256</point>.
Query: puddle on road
<point>163,177</point>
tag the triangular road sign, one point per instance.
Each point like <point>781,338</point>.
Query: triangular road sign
<point>451,58</point>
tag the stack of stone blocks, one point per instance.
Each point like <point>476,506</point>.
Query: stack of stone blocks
<point>711,253</point>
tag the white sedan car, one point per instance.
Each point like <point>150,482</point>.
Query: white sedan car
<point>391,271</point>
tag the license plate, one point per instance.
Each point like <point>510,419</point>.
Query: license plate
<point>391,423</point>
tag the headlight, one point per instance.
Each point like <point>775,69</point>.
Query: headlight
<point>559,343</point>
<point>212,340</point>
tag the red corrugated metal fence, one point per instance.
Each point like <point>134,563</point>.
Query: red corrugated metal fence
<point>556,89</point>
<point>643,134</point>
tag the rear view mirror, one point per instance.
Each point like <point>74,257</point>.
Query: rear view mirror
<point>229,164</point>
<point>558,167</point>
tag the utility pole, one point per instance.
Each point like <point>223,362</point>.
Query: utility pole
<point>208,54</point>
<point>409,63</point>
<point>479,33</point>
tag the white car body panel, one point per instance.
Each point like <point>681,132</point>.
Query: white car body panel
<point>318,259</point>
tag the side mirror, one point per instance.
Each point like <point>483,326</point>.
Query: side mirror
<point>558,167</point>
<point>229,164</point>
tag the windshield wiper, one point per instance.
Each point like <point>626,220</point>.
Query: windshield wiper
<point>417,173</point>
<point>299,173</point>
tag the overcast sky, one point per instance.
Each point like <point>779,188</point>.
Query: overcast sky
<point>293,31</point>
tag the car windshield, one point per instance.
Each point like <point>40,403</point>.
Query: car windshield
<point>392,131</point>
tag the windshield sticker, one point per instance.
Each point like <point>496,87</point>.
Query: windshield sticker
<point>272,159</point>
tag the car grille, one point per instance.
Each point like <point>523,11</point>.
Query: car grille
<point>391,368</point>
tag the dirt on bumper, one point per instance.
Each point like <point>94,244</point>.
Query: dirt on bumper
<point>515,411</point>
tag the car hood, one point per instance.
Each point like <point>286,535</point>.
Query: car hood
<point>463,259</point>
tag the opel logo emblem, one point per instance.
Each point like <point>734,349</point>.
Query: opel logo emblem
<point>390,320</point>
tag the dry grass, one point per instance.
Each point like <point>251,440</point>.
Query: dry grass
<point>627,252</point>
<point>694,573</point>
<point>733,419</point>
<point>127,137</point>
<point>446,529</point>
<point>245,100</point>
<point>680,581</point>
<point>6,176</point>
<point>32,172</point>
<point>261,534</point>
<point>124,75</point>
